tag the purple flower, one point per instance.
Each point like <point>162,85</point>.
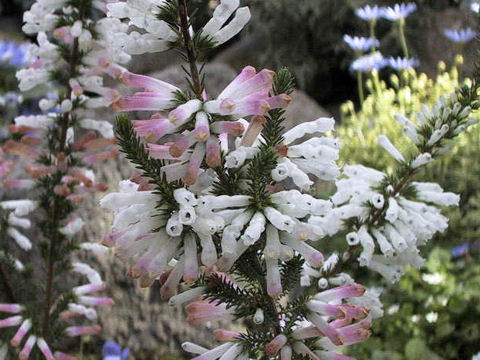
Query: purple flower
<point>13,54</point>
<point>402,63</point>
<point>460,36</point>
<point>113,351</point>
<point>460,250</point>
<point>368,63</point>
<point>399,11</point>
<point>369,12</point>
<point>360,43</point>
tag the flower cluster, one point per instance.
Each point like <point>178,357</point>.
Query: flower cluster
<point>160,35</point>
<point>58,148</point>
<point>376,61</point>
<point>81,305</point>
<point>393,218</point>
<point>223,214</point>
<point>396,12</point>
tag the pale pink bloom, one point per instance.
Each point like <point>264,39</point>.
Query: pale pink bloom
<point>6,167</point>
<point>225,335</point>
<point>89,288</point>
<point>19,149</point>
<point>45,349</point>
<point>21,332</point>
<point>96,301</point>
<point>202,312</point>
<point>274,346</point>
<point>74,331</point>
<point>11,321</point>
<point>154,129</point>
<point>19,183</point>
<point>27,348</point>
<point>10,308</point>
<point>341,292</point>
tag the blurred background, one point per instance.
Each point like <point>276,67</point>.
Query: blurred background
<point>431,314</point>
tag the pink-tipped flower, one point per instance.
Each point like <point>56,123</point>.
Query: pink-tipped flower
<point>225,335</point>
<point>96,301</point>
<point>325,328</point>
<point>182,144</point>
<point>350,336</point>
<point>148,83</point>
<point>341,292</point>
<point>213,157</point>
<point>19,183</point>
<point>194,164</point>
<point>202,129</point>
<point>154,129</point>
<point>254,129</point>
<point>63,34</point>
<point>62,190</point>
<point>21,332</point>
<point>146,101</point>
<point>76,88</point>
<point>11,308</point>
<point>27,348</point>
<point>101,156</point>
<point>202,312</point>
<point>190,273</point>
<point>274,346</point>
<point>45,349</point>
<point>274,280</point>
<point>234,128</point>
<point>89,288</point>
<point>161,152</point>
<point>279,101</point>
<point>39,171</point>
<point>245,84</point>
<point>6,167</point>
<point>74,331</point>
<point>19,149</point>
<point>182,113</point>
<point>11,321</point>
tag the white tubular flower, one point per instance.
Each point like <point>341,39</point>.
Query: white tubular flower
<point>315,156</point>
<point>237,158</point>
<point>385,142</point>
<point>72,227</point>
<point>408,224</point>
<point>142,14</point>
<point>92,275</point>
<point>255,229</point>
<point>30,78</point>
<point>433,193</point>
<point>102,126</point>
<point>215,28</point>
<point>421,160</point>
<point>368,246</point>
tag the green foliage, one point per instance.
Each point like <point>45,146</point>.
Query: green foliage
<point>136,152</point>
<point>431,314</point>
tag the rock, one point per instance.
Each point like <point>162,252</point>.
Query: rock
<point>147,63</point>
<point>303,108</point>
<point>219,75</point>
